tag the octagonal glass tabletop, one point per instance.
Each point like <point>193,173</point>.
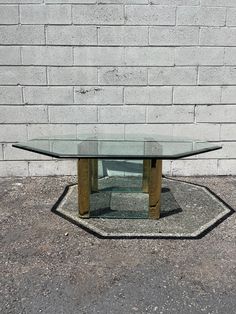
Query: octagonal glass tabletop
<point>117,146</point>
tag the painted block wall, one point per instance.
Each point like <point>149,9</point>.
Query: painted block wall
<point>127,66</point>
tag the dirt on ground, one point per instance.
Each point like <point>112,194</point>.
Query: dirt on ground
<point>48,265</point>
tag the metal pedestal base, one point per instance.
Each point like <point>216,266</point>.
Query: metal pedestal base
<point>88,183</point>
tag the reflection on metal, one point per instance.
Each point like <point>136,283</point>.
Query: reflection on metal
<point>94,175</point>
<point>155,188</point>
<point>146,175</point>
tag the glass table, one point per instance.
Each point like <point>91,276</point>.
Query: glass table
<point>87,149</point>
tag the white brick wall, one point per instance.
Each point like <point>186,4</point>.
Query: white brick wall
<point>99,95</point>
<point>47,55</point>
<point>97,14</point>
<point>201,16</point>
<point>133,66</point>
<point>22,34</point>
<point>41,14</point>
<point>25,114</point>
<point>48,95</point>
<point>70,35</point>
<point>9,14</point>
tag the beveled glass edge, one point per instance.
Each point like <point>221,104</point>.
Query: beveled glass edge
<point>123,157</point>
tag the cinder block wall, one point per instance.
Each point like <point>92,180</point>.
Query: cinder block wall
<point>135,66</point>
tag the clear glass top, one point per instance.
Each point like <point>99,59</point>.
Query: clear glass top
<point>117,146</point>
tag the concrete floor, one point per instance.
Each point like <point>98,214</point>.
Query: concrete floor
<point>49,265</point>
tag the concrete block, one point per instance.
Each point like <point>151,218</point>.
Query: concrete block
<point>200,131</point>
<point>149,129</point>
<point>149,15</point>
<point>199,56</point>
<point>72,1</point>
<point>12,153</point>
<point>148,95</point>
<point>201,16</point>
<point>172,76</point>
<point>173,36</point>
<point>107,129</point>
<point>149,56</point>
<point>170,114</point>
<point>72,76</point>
<point>231,17</point>
<point>99,56</point>
<point>19,1</point>
<point>12,75</point>
<point>122,76</point>
<point>218,3</point>
<point>189,167</point>
<point>26,114</point>
<point>73,114</point>
<point>128,168</point>
<point>48,95</point>
<point>1,151</point>
<point>121,168</point>
<point>9,55</point>
<point>228,95</point>
<point>10,95</point>
<point>45,14</point>
<point>230,56</point>
<point>176,2</point>
<point>217,114</point>
<point>166,167</point>
<point>121,114</point>
<point>13,168</point>
<point>71,35</point>
<point>12,133</point>
<point>131,1</point>
<point>124,1</point>
<point>98,14</point>
<point>9,14</point>
<point>217,76</point>
<point>99,95</point>
<point>197,95</point>
<point>22,35</point>
<point>224,36</point>
<point>52,168</point>
<point>47,55</point>
<point>227,152</point>
<point>227,167</point>
<point>45,130</point>
<point>227,132</point>
<point>123,35</point>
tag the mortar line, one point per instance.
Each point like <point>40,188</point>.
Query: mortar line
<point>22,95</point>
<point>19,19</point>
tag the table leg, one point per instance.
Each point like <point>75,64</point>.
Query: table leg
<point>146,175</point>
<point>84,187</point>
<point>94,175</point>
<point>155,188</point>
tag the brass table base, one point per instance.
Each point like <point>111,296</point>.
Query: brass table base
<point>88,182</point>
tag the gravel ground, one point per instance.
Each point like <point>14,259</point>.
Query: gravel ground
<point>49,265</point>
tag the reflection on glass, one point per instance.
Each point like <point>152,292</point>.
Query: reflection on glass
<point>117,145</point>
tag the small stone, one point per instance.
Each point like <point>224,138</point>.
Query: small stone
<point>66,234</point>
<point>135,308</point>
